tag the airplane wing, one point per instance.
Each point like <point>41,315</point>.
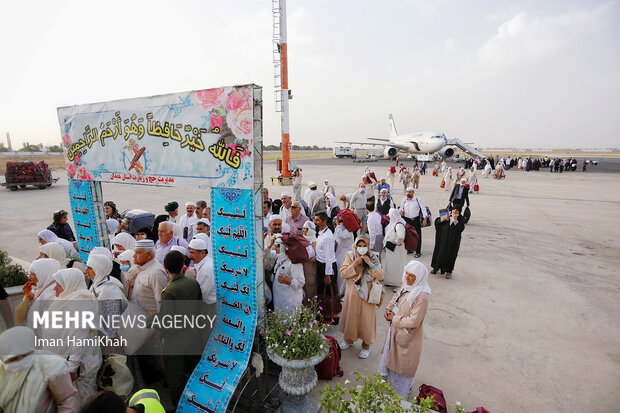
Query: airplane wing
<point>391,145</point>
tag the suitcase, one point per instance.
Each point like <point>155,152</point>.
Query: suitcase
<point>138,219</point>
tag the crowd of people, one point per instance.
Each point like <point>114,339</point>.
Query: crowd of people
<point>172,260</point>
<point>351,257</point>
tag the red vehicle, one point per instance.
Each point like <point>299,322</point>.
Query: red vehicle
<point>21,174</point>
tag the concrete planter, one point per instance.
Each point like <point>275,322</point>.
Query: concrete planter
<point>297,379</point>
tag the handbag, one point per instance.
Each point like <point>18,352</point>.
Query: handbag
<point>330,305</point>
<point>114,375</point>
<point>376,292</point>
<point>443,184</point>
<point>439,401</point>
<point>390,245</point>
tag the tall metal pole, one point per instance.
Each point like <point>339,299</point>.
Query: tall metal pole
<point>286,138</point>
<point>8,141</point>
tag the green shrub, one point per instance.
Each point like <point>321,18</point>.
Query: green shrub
<point>10,274</point>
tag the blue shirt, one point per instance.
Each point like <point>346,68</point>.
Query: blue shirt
<point>161,250</point>
<point>381,186</point>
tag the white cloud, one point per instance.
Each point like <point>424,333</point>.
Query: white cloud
<point>449,45</point>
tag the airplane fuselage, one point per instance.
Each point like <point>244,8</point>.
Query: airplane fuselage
<point>422,142</point>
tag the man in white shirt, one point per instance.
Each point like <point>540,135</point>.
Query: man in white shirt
<point>188,221</point>
<point>313,197</point>
<point>203,226</point>
<point>326,270</point>
<point>375,229</point>
<point>204,269</point>
<point>266,215</point>
<point>414,212</point>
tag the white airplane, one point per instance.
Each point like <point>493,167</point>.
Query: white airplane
<point>421,143</point>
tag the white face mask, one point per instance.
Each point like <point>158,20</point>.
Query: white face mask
<point>21,365</point>
<point>362,250</point>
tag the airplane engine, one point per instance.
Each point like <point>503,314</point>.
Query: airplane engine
<point>446,152</point>
<point>390,152</point>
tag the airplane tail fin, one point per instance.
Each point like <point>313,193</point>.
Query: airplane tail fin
<point>392,125</point>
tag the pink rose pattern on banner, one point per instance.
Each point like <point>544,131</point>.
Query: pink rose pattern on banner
<point>229,112</point>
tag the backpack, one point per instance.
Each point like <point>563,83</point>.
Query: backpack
<point>330,366</point>
<point>305,206</point>
<point>319,205</point>
<point>439,401</point>
<point>411,238</point>
<point>350,220</point>
<point>299,249</point>
<point>466,215</point>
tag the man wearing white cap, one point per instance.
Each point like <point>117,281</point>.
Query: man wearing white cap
<point>204,269</point>
<point>151,279</point>
<point>308,191</point>
<point>383,185</point>
<point>414,212</point>
<point>188,221</point>
<point>287,202</point>
<point>314,198</point>
<point>358,205</point>
<point>287,279</point>
<point>275,228</point>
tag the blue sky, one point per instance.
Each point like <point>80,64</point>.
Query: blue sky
<point>496,73</point>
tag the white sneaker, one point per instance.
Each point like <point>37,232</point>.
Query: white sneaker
<point>364,354</point>
<point>344,345</point>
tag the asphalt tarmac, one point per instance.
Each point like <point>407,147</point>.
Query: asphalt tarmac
<point>528,322</point>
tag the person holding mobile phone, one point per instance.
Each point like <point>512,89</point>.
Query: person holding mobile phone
<point>448,229</point>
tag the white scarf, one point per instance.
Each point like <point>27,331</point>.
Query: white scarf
<point>44,269</point>
<point>21,391</point>
<point>420,284</point>
<point>395,218</point>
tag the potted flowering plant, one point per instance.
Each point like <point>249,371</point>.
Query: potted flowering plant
<point>371,394</point>
<point>295,341</point>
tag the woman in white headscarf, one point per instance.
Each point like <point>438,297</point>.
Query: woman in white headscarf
<point>332,205</point>
<point>33,381</point>
<point>112,225</point>
<point>358,320</point>
<point>40,287</point>
<point>56,251</point>
<point>108,290</point>
<point>328,188</point>
<point>395,252</point>
<point>403,344</point>
<point>447,179</point>
<point>46,236</point>
<point>72,295</point>
<point>123,241</point>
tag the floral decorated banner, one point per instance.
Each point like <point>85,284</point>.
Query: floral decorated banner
<point>234,262</point>
<point>201,138</point>
<point>84,214</point>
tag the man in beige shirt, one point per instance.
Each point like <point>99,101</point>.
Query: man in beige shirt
<point>151,279</point>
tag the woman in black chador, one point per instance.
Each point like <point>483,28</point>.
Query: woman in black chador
<point>448,230</point>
